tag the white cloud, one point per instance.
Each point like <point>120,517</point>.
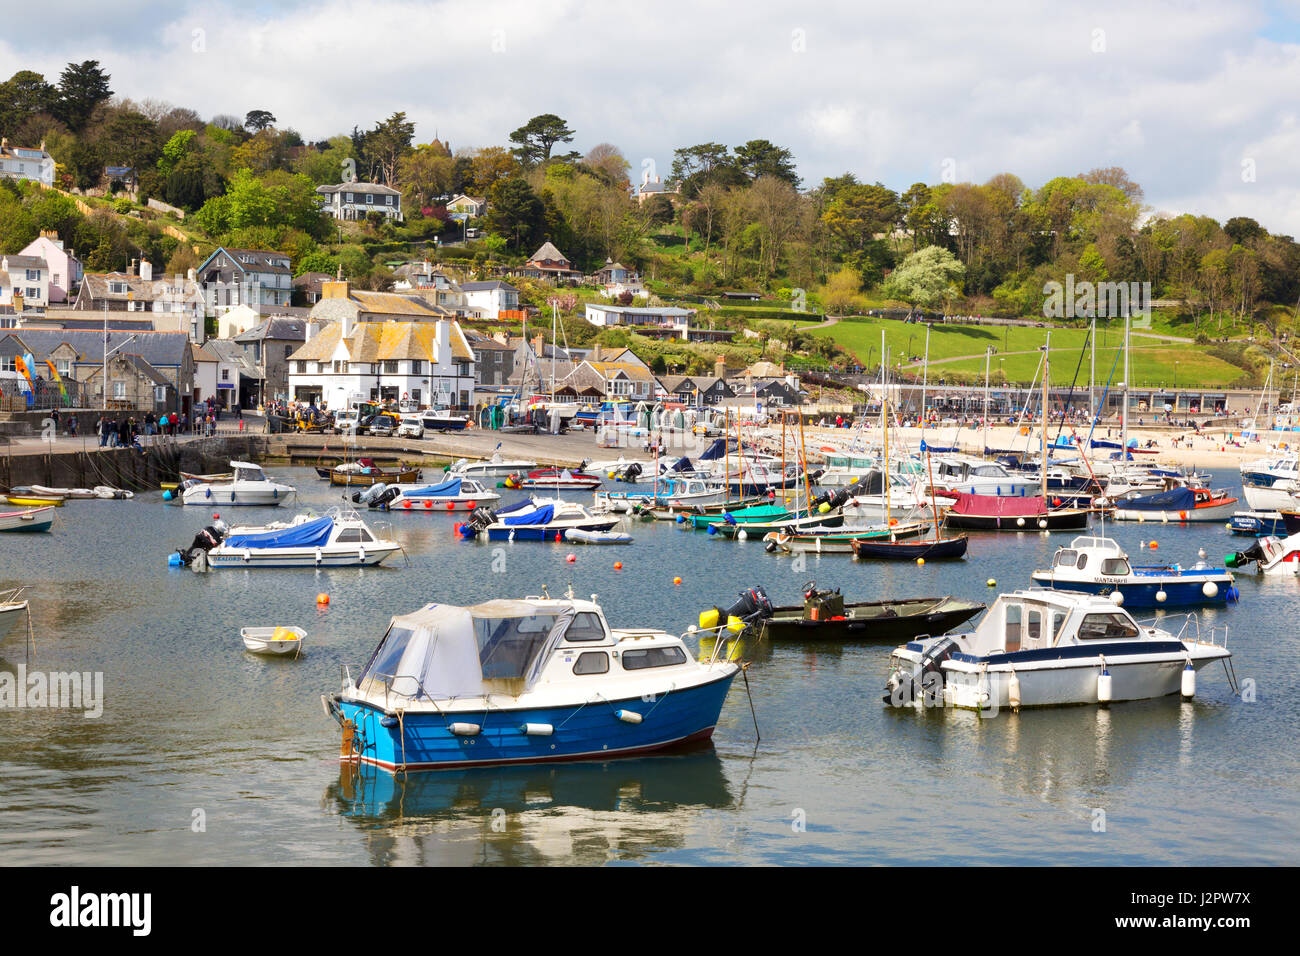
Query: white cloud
<point>1179,95</point>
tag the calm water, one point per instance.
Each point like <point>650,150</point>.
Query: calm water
<point>193,727</point>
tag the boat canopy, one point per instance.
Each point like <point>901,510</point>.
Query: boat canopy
<point>997,506</point>
<point>1176,499</point>
<point>447,489</point>
<point>308,534</point>
<point>443,651</point>
<point>539,515</point>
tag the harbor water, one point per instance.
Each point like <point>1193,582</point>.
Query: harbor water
<point>207,755</point>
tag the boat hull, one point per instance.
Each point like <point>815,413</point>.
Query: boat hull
<point>546,532</point>
<point>1219,512</point>
<point>233,499</point>
<point>1063,520</point>
<point>946,548</point>
<point>1258,524</point>
<point>350,480</point>
<point>35,519</point>
<point>1185,590</point>
<point>580,732</point>
<point>297,558</point>
<point>788,624</point>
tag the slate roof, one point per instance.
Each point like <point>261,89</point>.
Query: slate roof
<point>487,286</point>
<point>278,327</point>
<point>157,348</point>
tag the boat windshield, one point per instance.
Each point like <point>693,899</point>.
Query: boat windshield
<point>1114,566</point>
<point>1106,627</point>
<point>249,474</point>
<point>508,646</point>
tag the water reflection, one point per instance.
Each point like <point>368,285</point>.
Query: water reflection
<point>581,813</point>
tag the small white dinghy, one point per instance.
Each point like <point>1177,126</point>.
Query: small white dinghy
<point>276,641</point>
<point>581,536</point>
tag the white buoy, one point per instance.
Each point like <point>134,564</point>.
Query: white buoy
<point>1013,692</point>
<point>537,730</point>
<point>1164,516</point>
<point>1200,553</point>
<point>1210,589</point>
<point>1042,523</point>
<point>1189,681</point>
<point>1103,687</point>
<point>628,716</point>
<point>1160,597</point>
<point>1117,597</point>
<point>464,730</point>
<point>1020,522</point>
<point>742,535</point>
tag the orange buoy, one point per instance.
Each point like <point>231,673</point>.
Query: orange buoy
<point>618,565</point>
<point>471,505</point>
<point>677,580</point>
<point>428,504</point>
<point>322,598</point>
<point>406,505</point>
<point>451,505</point>
<point>1153,545</point>
<point>1182,515</point>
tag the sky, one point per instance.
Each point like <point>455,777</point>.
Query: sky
<point>1197,101</point>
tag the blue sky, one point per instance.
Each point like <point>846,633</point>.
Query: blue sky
<point>1196,100</point>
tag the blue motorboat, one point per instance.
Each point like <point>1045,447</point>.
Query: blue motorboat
<point>524,681</point>
<point>1257,524</point>
<point>1093,565</point>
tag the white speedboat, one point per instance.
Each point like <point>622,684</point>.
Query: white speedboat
<point>442,420</point>
<point>452,494</point>
<point>1281,495</point>
<point>1040,647</point>
<point>535,519</point>
<point>1270,555</point>
<point>974,477</point>
<point>249,487</point>
<point>337,539</point>
<point>494,467</point>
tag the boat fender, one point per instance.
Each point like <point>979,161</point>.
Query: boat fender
<point>318,557</point>
<point>1161,596</point>
<point>628,716</point>
<point>1233,595</point>
<point>537,730</point>
<point>1210,589</point>
<point>388,722</point>
<point>174,560</point>
<point>1117,597</point>
<point>207,493</point>
<point>464,729</point>
<point>1013,692</point>
<point>1020,522</point>
<point>742,535</point>
<point>1188,687</point>
<point>1104,689</point>
<point>770,547</point>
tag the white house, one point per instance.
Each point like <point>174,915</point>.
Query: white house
<point>428,363</point>
<point>20,162</point>
<point>253,277</point>
<point>665,319</point>
<point>64,267</point>
<point>26,278</point>
<point>485,300</point>
<point>355,200</point>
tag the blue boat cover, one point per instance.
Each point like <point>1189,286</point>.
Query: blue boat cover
<point>939,449</point>
<point>448,489</point>
<point>518,506</point>
<point>309,534</point>
<point>542,515</point>
<point>1179,499</point>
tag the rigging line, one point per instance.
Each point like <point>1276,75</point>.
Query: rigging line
<point>1070,395</point>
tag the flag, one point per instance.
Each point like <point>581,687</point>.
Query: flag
<point>54,374</point>
<point>24,370</point>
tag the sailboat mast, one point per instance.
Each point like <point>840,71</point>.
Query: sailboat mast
<point>925,372</point>
<point>988,358</point>
<point>1092,374</point>
<point>1123,430</point>
<point>1047,351</point>
<point>884,415</point>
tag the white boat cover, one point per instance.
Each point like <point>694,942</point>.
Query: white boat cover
<point>443,651</point>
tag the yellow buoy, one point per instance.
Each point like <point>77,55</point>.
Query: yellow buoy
<point>920,562</point>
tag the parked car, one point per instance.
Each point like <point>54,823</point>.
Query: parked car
<point>384,425</point>
<point>411,427</point>
<point>345,421</point>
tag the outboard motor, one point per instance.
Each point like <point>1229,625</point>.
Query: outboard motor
<point>204,541</point>
<point>480,518</point>
<point>926,681</point>
<point>751,606</point>
<point>632,472</point>
<point>830,500</point>
<point>371,494</point>
<point>1240,558</point>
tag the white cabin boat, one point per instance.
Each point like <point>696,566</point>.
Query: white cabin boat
<point>337,539</point>
<point>1039,647</point>
<point>494,467</point>
<point>249,487</point>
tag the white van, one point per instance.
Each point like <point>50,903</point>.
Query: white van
<point>411,427</point>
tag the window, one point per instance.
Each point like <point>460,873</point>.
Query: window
<point>1012,642</point>
<point>388,200</point>
<point>119,389</point>
<point>33,275</point>
<point>592,662</point>
<point>288,350</point>
<point>653,657</point>
<point>585,627</point>
<point>1114,566</point>
<point>1034,626</point>
<point>508,646</point>
<point>1083,561</point>
<point>1106,627</point>
<point>417,367</point>
<point>225,375</point>
<point>390,367</point>
<point>415,395</point>
<point>7,364</point>
<point>1065,558</point>
<point>370,199</point>
<point>354,536</point>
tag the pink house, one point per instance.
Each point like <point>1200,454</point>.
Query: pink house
<point>65,268</point>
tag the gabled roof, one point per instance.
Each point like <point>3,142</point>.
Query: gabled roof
<point>157,348</point>
<point>487,286</point>
<point>262,260</point>
<point>97,286</point>
<point>277,327</point>
<point>385,342</point>
<point>633,371</point>
<point>17,261</point>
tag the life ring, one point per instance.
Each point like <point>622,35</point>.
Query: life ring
<point>406,396</point>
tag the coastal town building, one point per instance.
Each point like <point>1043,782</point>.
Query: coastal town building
<point>176,302</point>
<point>356,200</point>
<point>64,268</point>
<point>24,282</point>
<point>268,347</point>
<point>487,300</point>
<point>254,277</point>
<point>22,162</point>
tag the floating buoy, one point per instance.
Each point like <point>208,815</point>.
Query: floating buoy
<point>742,535</point>
<point>322,598</point>
<point>1042,523</point>
<point>1020,522</point>
<point>174,560</point>
<point>167,496</point>
<point>677,580</point>
<point>1189,680</point>
<point>559,536</point>
<point>471,505</point>
<point>1200,553</point>
<point>1160,597</point>
<point>571,558</point>
<point>992,582</point>
<point>1153,545</point>
<point>680,519</point>
<point>1117,597</point>
<point>920,562</point>
<point>618,565</point>
<point>893,521</point>
<point>1182,516</point>
<point>1210,589</point>
<point>712,530</point>
<point>1103,686</point>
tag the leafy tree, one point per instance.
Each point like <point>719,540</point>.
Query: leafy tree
<point>925,277</point>
<point>82,87</point>
<point>385,145</point>
<point>130,139</point>
<point>536,138</point>
<point>23,96</point>
<point>515,213</point>
<point>760,157</point>
<point>258,120</point>
<point>857,212</point>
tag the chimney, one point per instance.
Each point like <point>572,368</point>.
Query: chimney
<point>130,270</point>
<point>539,345</point>
<point>190,274</point>
<point>146,270</point>
<point>444,342</point>
<point>720,367</point>
<point>338,289</point>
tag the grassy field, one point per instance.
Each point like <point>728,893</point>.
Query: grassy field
<point>959,350</point>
